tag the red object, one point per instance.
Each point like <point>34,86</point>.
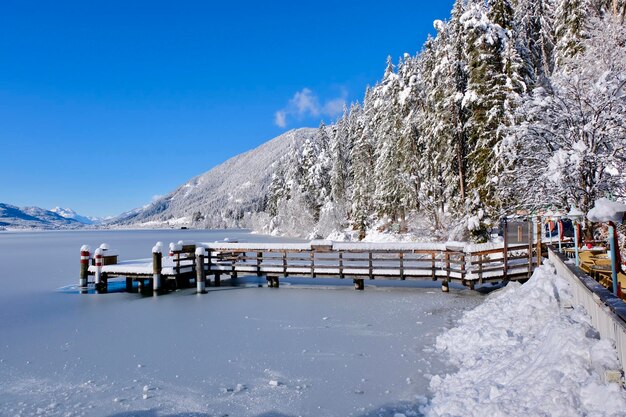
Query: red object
<point>589,246</point>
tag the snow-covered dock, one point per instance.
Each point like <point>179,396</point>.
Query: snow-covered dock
<point>186,262</point>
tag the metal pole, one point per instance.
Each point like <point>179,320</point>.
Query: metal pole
<point>576,241</point>
<point>613,245</point>
<point>559,226</point>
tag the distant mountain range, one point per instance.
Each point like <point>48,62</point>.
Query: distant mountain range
<point>13,217</point>
<point>218,198</point>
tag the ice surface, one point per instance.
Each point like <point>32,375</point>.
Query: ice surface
<point>62,353</point>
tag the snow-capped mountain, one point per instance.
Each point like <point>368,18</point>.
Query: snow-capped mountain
<point>222,196</point>
<point>12,217</point>
<point>71,214</point>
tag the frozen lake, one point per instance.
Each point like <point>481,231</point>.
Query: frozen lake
<point>300,350</point>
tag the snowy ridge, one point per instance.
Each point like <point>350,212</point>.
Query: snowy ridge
<point>525,352</point>
<point>222,196</point>
<point>68,213</point>
<point>13,217</point>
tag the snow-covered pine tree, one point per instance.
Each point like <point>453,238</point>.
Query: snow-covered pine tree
<point>442,128</point>
<point>494,82</point>
<point>314,169</point>
<point>570,28</point>
<point>362,166</point>
<point>339,153</point>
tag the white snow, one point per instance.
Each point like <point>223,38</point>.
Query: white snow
<point>524,352</point>
<point>606,210</point>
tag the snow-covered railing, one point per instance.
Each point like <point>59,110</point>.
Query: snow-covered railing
<point>468,264</point>
<point>607,312</point>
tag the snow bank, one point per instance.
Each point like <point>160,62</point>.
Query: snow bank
<point>606,210</point>
<point>526,352</point>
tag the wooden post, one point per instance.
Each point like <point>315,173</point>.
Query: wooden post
<point>259,259</point>
<point>218,281</point>
<point>129,284</point>
<point>285,264</point>
<point>433,266</point>
<point>104,283</point>
<point>98,275</point>
<point>84,268</point>
<point>157,262</point>
<point>208,268</point>
<point>520,233</point>
<point>539,237</point>
<point>463,266</point>
<point>359,284</point>
<point>371,269</point>
<point>272,282</point>
<point>312,264</point>
<point>200,274</point>
<point>401,254</point>
<point>341,265</point>
<point>445,283</point>
<point>505,253</point>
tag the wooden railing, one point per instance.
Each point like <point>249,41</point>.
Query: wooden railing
<point>468,265</point>
<point>464,263</point>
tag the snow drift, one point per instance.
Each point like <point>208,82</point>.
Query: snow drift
<point>526,352</point>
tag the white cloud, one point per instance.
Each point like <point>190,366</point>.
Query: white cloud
<point>280,118</point>
<point>335,107</point>
<point>305,103</point>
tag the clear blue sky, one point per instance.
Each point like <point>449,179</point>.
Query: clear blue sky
<point>105,104</point>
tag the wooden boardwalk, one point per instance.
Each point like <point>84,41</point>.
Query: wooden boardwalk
<point>189,263</point>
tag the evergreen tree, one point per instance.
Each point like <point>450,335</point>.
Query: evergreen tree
<point>570,29</point>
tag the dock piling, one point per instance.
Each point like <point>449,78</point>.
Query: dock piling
<point>157,261</point>
<point>98,274</point>
<point>200,274</point>
<point>84,268</point>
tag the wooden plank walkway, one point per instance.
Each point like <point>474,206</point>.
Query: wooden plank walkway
<point>191,262</point>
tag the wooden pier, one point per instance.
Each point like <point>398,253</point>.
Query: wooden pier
<point>189,263</point>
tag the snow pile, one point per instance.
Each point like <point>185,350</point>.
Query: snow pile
<point>526,352</point>
<point>606,210</point>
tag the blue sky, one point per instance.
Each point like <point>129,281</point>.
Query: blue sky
<point>105,104</point>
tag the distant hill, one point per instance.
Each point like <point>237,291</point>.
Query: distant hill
<point>220,197</point>
<point>13,217</point>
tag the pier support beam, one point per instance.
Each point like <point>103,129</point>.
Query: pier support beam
<point>200,275</point>
<point>445,286</point>
<point>100,278</point>
<point>157,262</point>
<point>84,268</point>
<point>218,281</point>
<point>273,282</point>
